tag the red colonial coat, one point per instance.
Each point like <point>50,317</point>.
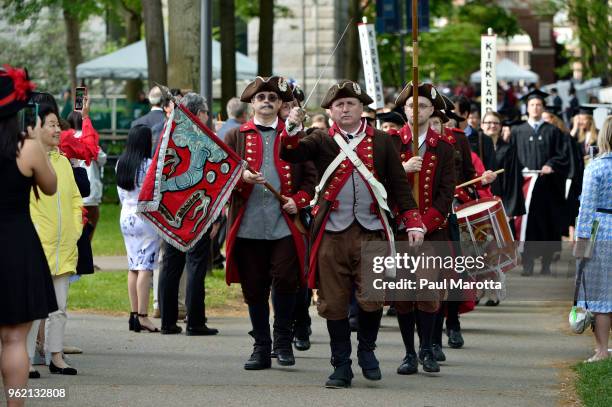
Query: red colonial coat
<point>436,178</point>
<point>297,182</point>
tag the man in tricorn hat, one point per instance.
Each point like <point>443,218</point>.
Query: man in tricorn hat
<point>359,166</point>
<point>542,150</point>
<point>436,167</point>
<point>264,247</point>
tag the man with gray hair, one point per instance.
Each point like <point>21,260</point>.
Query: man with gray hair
<point>156,114</point>
<point>195,261</point>
<point>237,114</point>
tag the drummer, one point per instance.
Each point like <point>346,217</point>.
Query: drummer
<point>435,165</point>
<point>464,171</point>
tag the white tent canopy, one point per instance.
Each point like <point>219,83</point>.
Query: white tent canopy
<point>131,63</point>
<point>509,71</point>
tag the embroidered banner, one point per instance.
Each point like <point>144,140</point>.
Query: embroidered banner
<point>191,178</point>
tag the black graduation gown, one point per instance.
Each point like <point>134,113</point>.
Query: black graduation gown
<point>508,185</point>
<point>547,147</point>
<point>484,149</point>
<point>575,174</point>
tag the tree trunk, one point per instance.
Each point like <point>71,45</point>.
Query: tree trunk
<point>133,23</point>
<point>73,44</point>
<point>352,61</point>
<point>265,52</point>
<point>156,43</point>
<point>184,44</point>
<point>228,54</point>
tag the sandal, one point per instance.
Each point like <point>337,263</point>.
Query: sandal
<point>138,326</point>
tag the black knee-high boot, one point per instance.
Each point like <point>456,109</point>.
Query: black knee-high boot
<point>340,344</point>
<point>426,357</point>
<point>406,324</point>
<point>260,319</point>
<point>284,305</point>
<point>367,332</point>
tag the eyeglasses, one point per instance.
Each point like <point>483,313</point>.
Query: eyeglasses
<point>421,106</point>
<point>491,123</point>
<point>271,97</point>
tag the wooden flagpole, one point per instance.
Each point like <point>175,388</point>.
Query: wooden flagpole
<point>415,93</point>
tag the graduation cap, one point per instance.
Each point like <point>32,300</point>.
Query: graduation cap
<point>556,110</point>
<point>391,117</point>
<point>586,110</point>
<point>512,122</point>
<point>535,94</point>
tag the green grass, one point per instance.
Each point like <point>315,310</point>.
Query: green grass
<point>108,240</point>
<point>107,292</point>
<point>594,383</point>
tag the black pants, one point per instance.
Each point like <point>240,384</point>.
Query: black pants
<point>171,271</point>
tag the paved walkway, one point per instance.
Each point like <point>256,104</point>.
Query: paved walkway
<point>514,356</point>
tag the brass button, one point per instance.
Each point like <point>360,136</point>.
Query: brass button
<point>249,151</point>
<point>302,200</point>
<point>427,179</point>
<point>428,172</point>
<point>288,182</point>
<point>403,156</point>
<point>369,147</point>
<point>249,159</point>
<point>287,167</point>
<point>426,200</point>
<point>289,147</point>
<point>426,186</point>
<point>426,193</point>
<point>326,192</point>
<point>369,139</point>
<point>249,144</point>
<point>369,155</point>
<point>433,158</point>
<point>431,164</point>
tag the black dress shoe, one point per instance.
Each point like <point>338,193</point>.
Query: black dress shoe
<point>70,371</point>
<point>491,303</point>
<point>527,269</point>
<point>34,374</point>
<point>391,312</point>
<point>301,344</point>
<point>258,361</point>
<point>201,331</point>
<point>341,378</point>
<point>428,360</point>
<point>171,330</point>
<point>438,354</point>
<point>285,357</point>
<point>455,339</point>
<point>409,365</point>
<point>273,354</point>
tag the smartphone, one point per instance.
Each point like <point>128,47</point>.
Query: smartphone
<point>27,117</point>
<point>79,98</point>
<point>593,151</point>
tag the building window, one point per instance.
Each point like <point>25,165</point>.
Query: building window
<point>545,29</point>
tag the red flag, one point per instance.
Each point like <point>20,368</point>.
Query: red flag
<point>191,178</point>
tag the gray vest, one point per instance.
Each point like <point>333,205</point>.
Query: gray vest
<point>354,202</point>
<point>262,218</point>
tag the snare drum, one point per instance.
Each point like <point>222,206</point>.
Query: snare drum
<point>484,223</point>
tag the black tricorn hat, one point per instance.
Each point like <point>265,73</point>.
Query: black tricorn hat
<point>427,90</point>
<point>15,90</point>
<point>345,89</point>
<point>391,117</point>
<point>535,94</point>
<point>444,117</point>
<point>276,84</point>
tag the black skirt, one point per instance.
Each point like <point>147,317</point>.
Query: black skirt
<point>26,285</point>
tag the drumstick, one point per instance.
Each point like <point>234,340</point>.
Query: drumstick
<point>475,180</point>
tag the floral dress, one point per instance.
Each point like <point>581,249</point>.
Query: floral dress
<point>141,242</point>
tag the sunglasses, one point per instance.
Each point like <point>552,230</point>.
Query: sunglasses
<point>271,97</point>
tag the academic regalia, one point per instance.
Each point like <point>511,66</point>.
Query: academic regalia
<point>547,146</point>
<point>483,147</point>
<point>575,175</point>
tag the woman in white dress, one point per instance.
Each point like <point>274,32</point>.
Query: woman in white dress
<point>141,242</point>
